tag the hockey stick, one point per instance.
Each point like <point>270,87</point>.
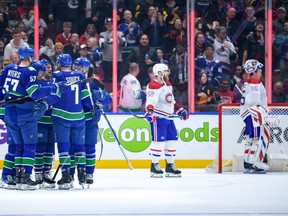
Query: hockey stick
<point>144,117</point>
<point>115,136</point>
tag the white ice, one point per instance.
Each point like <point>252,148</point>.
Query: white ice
<point>133,192</point>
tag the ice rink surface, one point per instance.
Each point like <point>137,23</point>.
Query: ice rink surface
<point>133,192</point>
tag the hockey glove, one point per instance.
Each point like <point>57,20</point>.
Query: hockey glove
<point>184,115</point>
<point>149,116</point>
<point>60,87</point>
<point>40,109</point>
<point>97,95</point>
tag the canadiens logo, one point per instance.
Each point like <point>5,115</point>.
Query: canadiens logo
<point>169,98</point>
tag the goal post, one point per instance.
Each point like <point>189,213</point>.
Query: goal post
<point>231,138</point>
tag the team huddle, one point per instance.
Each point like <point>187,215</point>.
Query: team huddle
<point>41,108</point>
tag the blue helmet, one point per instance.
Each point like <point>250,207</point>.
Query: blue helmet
<point>82,62</point>
<point>25,52</point>
<point>38,66</point>
<point>45,61</point>
<point>64,60</point>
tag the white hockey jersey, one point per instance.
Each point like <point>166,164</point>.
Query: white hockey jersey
<point>253,94</point>
<point>130,92</point>
<point>160,98</point>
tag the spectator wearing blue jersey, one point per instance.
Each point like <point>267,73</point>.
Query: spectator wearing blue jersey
<point>69,120</point>
<point>130,29</point>
<point>21,118</point>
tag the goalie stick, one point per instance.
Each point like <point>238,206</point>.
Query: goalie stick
<point>115,136</point>
<point>28,98</point>
<point>144,117</point>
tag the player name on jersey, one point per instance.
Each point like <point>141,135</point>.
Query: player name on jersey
<point>14,73</point>
<point>72,79</point>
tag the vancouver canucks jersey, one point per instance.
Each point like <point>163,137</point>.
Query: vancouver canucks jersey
<point>69,107</point>
<point>17,81</point>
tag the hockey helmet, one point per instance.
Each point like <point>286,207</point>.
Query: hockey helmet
<point>38,66</point>
<point>45,61</point>
<point>64,60</point>
<point>159,69</point>
<point>82,62</point>
<point>25,52</point>
<point>252,66</point>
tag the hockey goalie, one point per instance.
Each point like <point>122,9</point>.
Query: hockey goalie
<point>253,111</point>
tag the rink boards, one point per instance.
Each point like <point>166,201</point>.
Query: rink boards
<point>197,144</point>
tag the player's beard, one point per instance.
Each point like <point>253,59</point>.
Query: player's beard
<point>166,77</point>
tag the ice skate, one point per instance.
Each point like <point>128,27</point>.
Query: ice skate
<point>18,178</point>
<point>248,168</point>
<point>64,182</point>
<point>72,181</point>
<point>7,182</point>
<point>172,171</point>
<point>81,176</point>
<point>89,180</point>
<point>155,171</point>
<point>39,179</point>
<point>48,181</point>
<point>26,182</point>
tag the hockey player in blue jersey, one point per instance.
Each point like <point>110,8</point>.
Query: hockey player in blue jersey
<point>20,118</point>
<point>69,120</point>
<point>96,96</point>
<point>45,146</point>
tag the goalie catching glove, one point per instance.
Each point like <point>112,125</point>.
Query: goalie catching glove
<point>184,115</point>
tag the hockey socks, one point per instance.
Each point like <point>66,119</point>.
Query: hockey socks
<point>90,151</point>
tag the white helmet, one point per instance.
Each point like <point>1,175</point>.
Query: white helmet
<point>252,66</point>
<point>159,69</point>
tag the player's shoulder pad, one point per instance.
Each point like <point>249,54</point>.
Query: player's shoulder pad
<point>253,81</point>
<point>31,68</point>
<point>10,66</point>
<point>56,72</point>
<point>154,85</point>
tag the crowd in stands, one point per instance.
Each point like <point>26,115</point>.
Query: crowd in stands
<point>228,32</point>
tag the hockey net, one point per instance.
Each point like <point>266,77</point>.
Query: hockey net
<point>231,138</point>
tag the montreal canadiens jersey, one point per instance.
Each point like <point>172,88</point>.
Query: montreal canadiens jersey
<point>69,107</point>
<point>161,98</point>
<point>254,93</point>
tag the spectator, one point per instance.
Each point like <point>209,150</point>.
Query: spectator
<point>108,8</point>
<point>49,49</point>
<point>29,23</point>
<point>171,12</point>
<point>58,47</point>
<point>224,51</point>
<point>13,20</point>
<point>208,64</point>
<point>1,64</point>
<point>4,28</point>
<point>230,22</point>
<point>278,93</point>
<point>159,57</point>
<point>151,77</point>
<point>205,94</point>
<point>237,91</point>
<point>155,27</point>
<point>178,63</point>
<point>105,43</point>
<point>93,11</point>
<point>42,36</point>
<point>278,23</point>
<point>281,40</point>
<point>95,51</point>
<point>13,46</point>
<point>14,58</point>
<point>144,55</point>
<point>177,33</point>
<point>65,36</point>
<point>199,44</point>
<point>21,26</point>
<point>90,32</point>
<point>236,77</point>
<point>141,12</point>
<point>254,48</point>
<point>73,47</point>
<point>64,11</point>
<point>225,94</point>
<point>24,6</point>
<point>2,46</point>
<point>83,52</point>
<point>24,37</point>
<point>130,29</point>
<point>131,95</point>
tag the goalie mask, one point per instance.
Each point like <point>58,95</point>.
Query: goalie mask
<point>252,66</point>
<point>159,70</point>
